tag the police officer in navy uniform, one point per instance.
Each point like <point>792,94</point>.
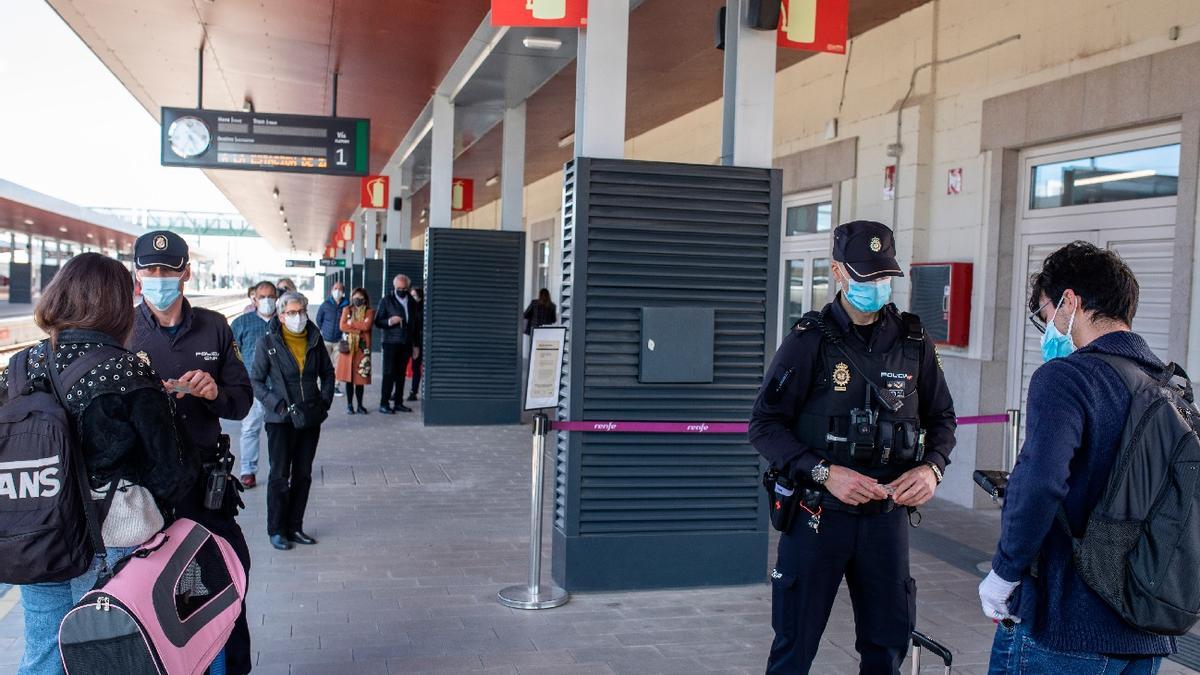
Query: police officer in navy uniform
<point>857,425</point>
<point>193,349</point>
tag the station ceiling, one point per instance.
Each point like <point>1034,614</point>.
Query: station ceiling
<point>391,54</point>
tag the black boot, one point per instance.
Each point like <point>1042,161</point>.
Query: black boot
<point>350,409</point>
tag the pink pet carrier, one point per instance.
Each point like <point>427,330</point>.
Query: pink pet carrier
<point>168,610</point>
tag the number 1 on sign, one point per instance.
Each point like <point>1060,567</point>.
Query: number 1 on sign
<point>341,160</point>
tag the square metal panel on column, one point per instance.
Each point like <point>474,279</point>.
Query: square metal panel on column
<point>48,272</point>
<point>20,283</point>
<point>636,510</point>
<point>356,276</point>
<point>473,292</point>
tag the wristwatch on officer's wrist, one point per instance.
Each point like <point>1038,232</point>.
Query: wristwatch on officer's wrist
<point>820,472</point>
<point>937,473</point>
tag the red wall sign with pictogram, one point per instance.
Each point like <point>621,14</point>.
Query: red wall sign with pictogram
<point>534,13</point>
<point>813,26</point>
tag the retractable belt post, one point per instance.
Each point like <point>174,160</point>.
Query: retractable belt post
<point>1014,438</point>
<point>533,595</point>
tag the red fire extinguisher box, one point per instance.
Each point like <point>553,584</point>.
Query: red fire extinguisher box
<point>941,296</point>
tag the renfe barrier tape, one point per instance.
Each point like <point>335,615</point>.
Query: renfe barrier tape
<point>707,427</point>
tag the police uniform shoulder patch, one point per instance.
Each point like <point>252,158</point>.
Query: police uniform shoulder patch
<point>237,351</point>
<point>841,377</point>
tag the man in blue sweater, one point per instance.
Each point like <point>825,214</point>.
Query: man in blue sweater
<point>247,330</point>
<point>1083,301</point>
<point>329,322</point>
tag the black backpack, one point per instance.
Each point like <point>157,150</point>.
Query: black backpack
<point>49,529</point>
<point>1141,549</point>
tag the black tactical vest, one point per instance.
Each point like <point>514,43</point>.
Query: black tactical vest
<point>842,387</point>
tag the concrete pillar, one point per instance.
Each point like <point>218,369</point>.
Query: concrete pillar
<point>391,224</point>
<point>748,129</point>
<point>512,170</point>
<point>600,81</point>
<point>441,162</point>
<point>370,229</point>
<point>404,235</point>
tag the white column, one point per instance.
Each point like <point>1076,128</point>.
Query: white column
<point>512,170</point>
<point>391,225</point>
<point>600,81</point>
<point>748,130</point>
<point>369,232</point>
<point>441,162</point>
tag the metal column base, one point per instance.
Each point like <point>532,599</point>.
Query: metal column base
<point>522,597</point>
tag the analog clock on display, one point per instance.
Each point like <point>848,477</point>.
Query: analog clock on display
<point>189,137</point>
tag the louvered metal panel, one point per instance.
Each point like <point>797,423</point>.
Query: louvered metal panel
<point>20,283</point>
<point>48,272</point>
<point>410,263</point>
<point>472,326</point>
<point>373,278</point>
<point>356,276</point>
<point>327,284</point>
<point>662,510</point>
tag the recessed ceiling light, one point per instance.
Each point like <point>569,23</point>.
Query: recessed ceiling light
<point>569,139</point>
<point>275,194</point>
<point>492,181</point>
<point>281,210</point>
<point>90,235</point>
<point>62,228</point>
<point>542,43</point>
<point>28,221</point>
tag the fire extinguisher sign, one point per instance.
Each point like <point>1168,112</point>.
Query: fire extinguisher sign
<point>462,194</point>
<point>813,26</point>
<point>556,13</point>
<point>374,192</point>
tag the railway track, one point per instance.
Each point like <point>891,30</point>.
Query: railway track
<point>230,308</point>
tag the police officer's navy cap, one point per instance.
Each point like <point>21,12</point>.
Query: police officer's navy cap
<point>160,248</point>
<point>867,249</point>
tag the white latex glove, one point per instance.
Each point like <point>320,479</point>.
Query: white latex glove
<point>994,593</point>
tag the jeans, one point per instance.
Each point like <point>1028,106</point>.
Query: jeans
<point>334,355</point>
<point>45,606</point>
<point>292,452</point>
<point>252,427</point>
<point>1015,652</point>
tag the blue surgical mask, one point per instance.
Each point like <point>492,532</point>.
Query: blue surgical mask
<point>869,296</point>
<point>1056,345</point>
<point>160,292</point>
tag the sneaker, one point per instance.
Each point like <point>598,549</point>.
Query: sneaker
<point>412,396</point>
<point>337,391</point>
<point>248,481</point>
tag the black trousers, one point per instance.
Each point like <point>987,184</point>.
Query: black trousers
<point>238,658</point>
<point>291,451</point>
<point>395,361</point>
<point>872,553</point>
<point>416,378</point>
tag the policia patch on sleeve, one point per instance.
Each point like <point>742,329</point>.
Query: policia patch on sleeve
<point>237,351</point>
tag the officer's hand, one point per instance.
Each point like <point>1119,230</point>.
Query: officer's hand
<point>201,383</point>
<point>394,320</point>
<point>851,487</point>
<point>915,486</point>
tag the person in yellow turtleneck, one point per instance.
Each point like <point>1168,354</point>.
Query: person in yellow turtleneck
<point>293,377</point>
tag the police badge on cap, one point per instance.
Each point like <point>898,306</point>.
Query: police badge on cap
<point>867,249</point>
<point>160,249</point>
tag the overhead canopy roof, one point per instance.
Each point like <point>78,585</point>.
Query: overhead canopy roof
<point>391,54</point>
<point>24,210</point>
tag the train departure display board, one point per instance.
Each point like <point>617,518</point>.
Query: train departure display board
<point>253,141</point>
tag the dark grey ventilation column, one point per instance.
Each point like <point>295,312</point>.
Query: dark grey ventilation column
<point>20,283</point>
<point>408,262</point>
<point>356,276</point>
<point>48,272</point>
<point>670,275</point>
<point>372,279</point>
<point>472,336</point>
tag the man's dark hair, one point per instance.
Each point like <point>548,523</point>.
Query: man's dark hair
<point>90,292</point>
<point>1097,275</point>
<point>265,284</point>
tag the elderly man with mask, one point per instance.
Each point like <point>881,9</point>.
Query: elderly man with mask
<point>247,329</point>
<point>399,319</point>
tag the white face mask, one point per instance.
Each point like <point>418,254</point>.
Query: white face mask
<point>295,323</point>
<point>337,295</point>
<point>266,306</point>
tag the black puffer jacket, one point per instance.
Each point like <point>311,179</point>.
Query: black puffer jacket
<point>125,419</point>
<point>277,379</point>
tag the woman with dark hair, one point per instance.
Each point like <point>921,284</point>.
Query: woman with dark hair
<point>354,367</point>
<point>126,425</point>
<point>540,312</point>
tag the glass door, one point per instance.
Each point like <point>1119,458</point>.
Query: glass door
<point>805,277</point>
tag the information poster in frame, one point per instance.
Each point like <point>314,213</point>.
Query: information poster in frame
<point>545,367</point>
